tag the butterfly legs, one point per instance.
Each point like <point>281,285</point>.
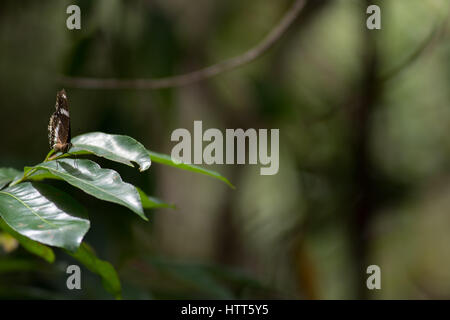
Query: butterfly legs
<point>55,157</point>
<point>74,159</point>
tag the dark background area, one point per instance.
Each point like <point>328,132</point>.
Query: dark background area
<point>364,145</point>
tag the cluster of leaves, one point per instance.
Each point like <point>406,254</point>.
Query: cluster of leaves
<point>39,215</point>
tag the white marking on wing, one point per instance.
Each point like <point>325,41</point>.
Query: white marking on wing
<point>64,112</point>
<point>55,138</point>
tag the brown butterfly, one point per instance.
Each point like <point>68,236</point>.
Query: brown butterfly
<point>59,135</point>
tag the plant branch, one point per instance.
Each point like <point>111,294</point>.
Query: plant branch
<point>30,172</point>
<point>185,79</point>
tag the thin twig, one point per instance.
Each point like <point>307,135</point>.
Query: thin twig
<point>188,78</point>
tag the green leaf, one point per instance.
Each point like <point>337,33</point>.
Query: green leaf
<point>104,184</point>
<point>167,160</point>
<point>111,282</point>
<point>40,175</point>
<point>33,174</point>
<point>30,245</point>
<point>45,214</point>
<point>114,147</point>
<point>152,202</point>
<point>7,175</point>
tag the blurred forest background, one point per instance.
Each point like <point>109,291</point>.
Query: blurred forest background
<point>364,122</point>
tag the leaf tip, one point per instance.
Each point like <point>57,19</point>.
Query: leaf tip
<point>50,257</point>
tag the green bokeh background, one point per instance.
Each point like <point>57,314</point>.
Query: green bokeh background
<point>364,163</point>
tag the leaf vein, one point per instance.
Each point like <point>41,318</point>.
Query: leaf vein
<point>31,209</point>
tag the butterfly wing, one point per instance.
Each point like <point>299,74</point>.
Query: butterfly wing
<point>59,126</point>
<point>51,130</point>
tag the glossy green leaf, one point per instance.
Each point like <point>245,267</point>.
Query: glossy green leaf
<point>7,175</point>
<point>167,160</point>
<point>86,255</point>
<point>104,184</point>
<point>45,214</point>
<point>41,174</point>
<point>31,246</point>
<point>119,148</point>
<point>152,202</point>
<point>33,174</point>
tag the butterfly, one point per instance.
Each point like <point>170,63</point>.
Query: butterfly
<point>59,135</point>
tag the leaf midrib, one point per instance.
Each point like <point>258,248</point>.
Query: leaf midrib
<point>111,154</point>
<point>31,209</point>
<point>84,181</point>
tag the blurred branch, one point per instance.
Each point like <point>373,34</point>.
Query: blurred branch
<point>428,44</point>
<point>364,188</point>
<point>195,76</point>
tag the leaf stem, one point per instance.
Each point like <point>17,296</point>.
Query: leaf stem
<point>31,171</point>
<point>49,154</point>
